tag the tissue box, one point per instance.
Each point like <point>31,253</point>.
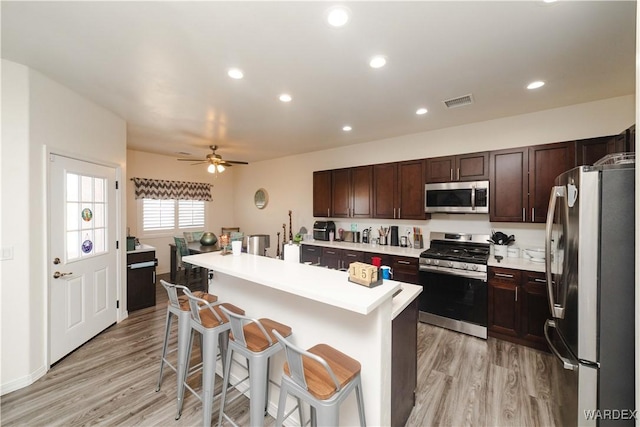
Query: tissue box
<point>364,274</point>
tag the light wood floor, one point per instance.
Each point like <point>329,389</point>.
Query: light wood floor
<point>111,380</point>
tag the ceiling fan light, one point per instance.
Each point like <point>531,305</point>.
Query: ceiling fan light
<point>211,168</point>
<point>220,168</point>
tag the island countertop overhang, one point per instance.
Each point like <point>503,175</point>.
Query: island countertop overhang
<point>319,284</point>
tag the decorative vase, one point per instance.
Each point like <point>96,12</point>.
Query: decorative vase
<point>208,239</point>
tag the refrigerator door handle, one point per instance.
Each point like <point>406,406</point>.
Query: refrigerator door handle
<point>566,363</point>
<point>557,191</point>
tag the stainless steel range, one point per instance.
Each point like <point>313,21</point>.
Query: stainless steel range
<point>453,274</point>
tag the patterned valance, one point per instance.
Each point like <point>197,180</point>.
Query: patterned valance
<point>176,190</point>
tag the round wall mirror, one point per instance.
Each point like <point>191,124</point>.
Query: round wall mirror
<point>261,198</point>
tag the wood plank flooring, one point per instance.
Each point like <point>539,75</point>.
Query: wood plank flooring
<point>111,380</point>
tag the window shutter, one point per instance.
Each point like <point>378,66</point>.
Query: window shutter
<point>190,213</point>
<point>158,214</point>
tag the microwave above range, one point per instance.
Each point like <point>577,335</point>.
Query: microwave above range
<point>457,197</point>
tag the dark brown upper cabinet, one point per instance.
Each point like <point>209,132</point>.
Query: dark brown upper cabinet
<point>322,194</point>
<point>352,192</point>
<point>521,180</point>
<point>398,190</point>
<point>464,167</point>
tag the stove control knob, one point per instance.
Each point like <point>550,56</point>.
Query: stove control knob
<point>450,264</point>
<point>474,267</point>
<point>464,266</point>
<point>436,262</point>
<point>427,261</point>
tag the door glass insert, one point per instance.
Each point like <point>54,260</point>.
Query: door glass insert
<point>85,205</point>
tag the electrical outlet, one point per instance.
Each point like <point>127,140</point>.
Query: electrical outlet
<point>407,230</point>
<point>7,253</point>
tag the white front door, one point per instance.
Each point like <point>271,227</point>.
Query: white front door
<point>82,247</point>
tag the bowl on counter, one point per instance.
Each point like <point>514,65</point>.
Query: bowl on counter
<point>535,254</point>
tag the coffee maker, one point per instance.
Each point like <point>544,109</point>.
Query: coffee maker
<point>365,235</point>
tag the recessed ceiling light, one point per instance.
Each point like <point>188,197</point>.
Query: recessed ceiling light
<point>338,16</point>
<point>421,111</point>
<point>535,85</point>
<point>378,61</point>
<point>285,97</point>
<point>346,128</point>
<point>235,73</point>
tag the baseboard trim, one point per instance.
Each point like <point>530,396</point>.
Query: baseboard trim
<point>19,383</point>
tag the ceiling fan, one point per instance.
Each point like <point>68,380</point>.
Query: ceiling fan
<point>216,162</point>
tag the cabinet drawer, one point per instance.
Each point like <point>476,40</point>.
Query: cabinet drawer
<point>504,275</point>
<point>405,269</point>
<point>140,257</point>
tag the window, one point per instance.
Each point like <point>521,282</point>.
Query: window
<point>162,215</point>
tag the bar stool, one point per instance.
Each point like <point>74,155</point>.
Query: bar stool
<point>250,338</point>
<point>178,306</point>
<point>213,325</point>
<point>321,376</point>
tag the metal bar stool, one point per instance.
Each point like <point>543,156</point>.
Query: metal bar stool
<point>321,376</point>
<point>249,337</point>
<point>178,306</point>
<point>213,325</point>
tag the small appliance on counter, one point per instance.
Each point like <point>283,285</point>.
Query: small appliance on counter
<point>365,235</point>
<point>257,244</point>
<point>394,236</point>
<point>351,236</point>
<point>322,230</point>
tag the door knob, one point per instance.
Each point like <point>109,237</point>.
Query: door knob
<point>57,274</point>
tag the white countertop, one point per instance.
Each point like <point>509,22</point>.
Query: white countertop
<point>316,283</point>
<point>142,248</point>
<point>517,264</point>
<point>366,247</point>
<point>404,298</point>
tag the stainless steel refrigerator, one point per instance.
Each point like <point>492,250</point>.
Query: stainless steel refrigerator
<point>590,280</point>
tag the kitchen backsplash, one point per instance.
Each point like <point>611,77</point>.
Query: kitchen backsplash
<point>527,235</point>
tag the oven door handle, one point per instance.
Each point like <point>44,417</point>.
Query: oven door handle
<point>460,273</point>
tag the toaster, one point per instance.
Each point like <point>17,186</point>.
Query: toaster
<point>321,230</point>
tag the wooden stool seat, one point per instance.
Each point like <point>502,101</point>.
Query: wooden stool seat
<point>318,380</point>
<point>183,300</point>
<point>255,339</point>
<point>209,321</point>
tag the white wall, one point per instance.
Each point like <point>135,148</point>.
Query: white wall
<point>288,180</point>
<point>39,114</point>
<point>219,212</point>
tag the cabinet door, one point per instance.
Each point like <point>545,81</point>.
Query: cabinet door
<point>504,310</point>
<point>546,162</point>
<point>411,190</point>
<point>361,192</point>
<point>535,308</point>
<point>588,151</point>
<point>341,193</point>
<point>385,184</point>
<point>508,185</point>
<point>312,254</point>
<point>405,269</point>
<point>440,169</point>
<point>472,167</point>
<point>349,256</point>
<point>331,258</point>
<point>322,194</point>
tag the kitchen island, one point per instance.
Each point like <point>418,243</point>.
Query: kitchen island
<point>321,306</point>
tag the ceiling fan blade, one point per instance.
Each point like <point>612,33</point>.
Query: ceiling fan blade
<point>189,160</point>
<point>236,162</point>
<point>199,163</point>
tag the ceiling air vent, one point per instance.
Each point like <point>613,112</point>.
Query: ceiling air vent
<point>459,101</point>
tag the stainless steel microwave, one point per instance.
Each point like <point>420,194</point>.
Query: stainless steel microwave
<point>457,197</point>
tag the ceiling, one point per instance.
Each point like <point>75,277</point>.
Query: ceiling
<point>162,66</point>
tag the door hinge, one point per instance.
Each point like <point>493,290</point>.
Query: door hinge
<point>117,303</point>
<point>117,244</point>
<point>116,185</point>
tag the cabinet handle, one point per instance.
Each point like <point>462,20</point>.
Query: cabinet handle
<point>311,249</point>
<point>399,215</point>
<point>394,213</point>
<point>516,294</point>
<point>523,218</point>
<point>458,178</point>
<point>533,214</point>
<point>327,211</point>
<point>403,262</point>
<point>331,253</point>
<point>351,255</point>
<point>506,276</point>
<point>540,280</point>
<point>319,260</point>
<point>450,174</point>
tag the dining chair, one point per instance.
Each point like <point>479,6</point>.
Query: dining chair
<point>183,250</point>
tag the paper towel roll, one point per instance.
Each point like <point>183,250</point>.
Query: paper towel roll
<point>292,253</point>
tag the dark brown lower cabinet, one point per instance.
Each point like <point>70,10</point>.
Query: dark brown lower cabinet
<point>518,306</point>
<point>405,269</point>
<point>312,254</point>
<point>404,364</point>
<point>141,280</point>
